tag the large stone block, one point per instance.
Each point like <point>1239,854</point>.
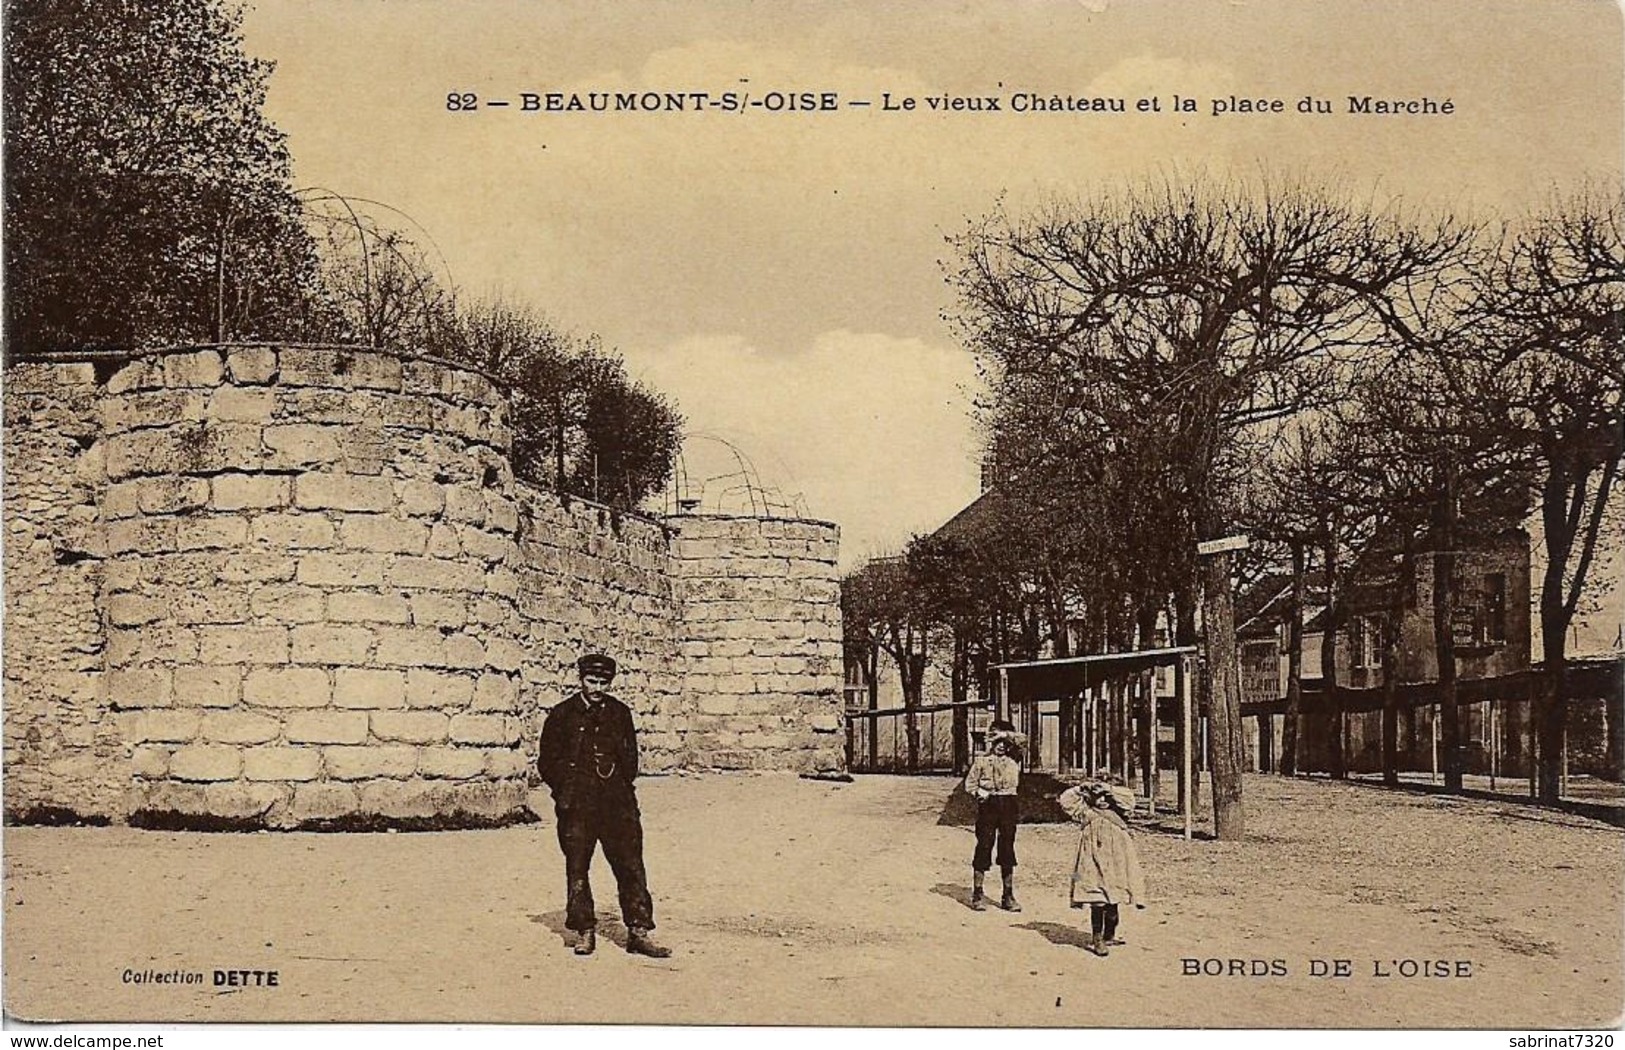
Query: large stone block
<point>206,762</point>
<point>250,567</point>
<point>383,533</point>
<point>141,535</point>
<point>412,727</point>
<point>487,546</point>
<point>211,533</point>
<point>251,365</point>
<point>288,603</point>
<point>301,687</point>
<point>463,651</point>
<point>309,366</point>
<point>326,727</point>
<point>341,570</point>
<point>324,801</point>
<point>501,582</point>
<point>438,689</point>
<point>443,542</point>
<point>436,574</point>
<point>363,763</point>
<point>219,605</point>
<point>249,802</point>
<point>282,763</point>
<point>719,704</point>
<point>410,647</point>
<point>240,727</point>
<point>484,729</point>
<point>150,761</point>
<point>154,643</point>
<point>249,492</point>
<point>420,498</point>
<point>292,446</point>
<point>343,492</point>
<point>241,644</point>
<point>398,800</point>
<point>231,404</point>
<point>465,504</point>
<point>121,499</point>
<point>138,688</point>
<point>171,495</point>
<point>361,607</point>
<point>324,644</point>
<point>202,368</point>
<point>280,531</point>
<point>366,689</point>
<point>374,371</point>
<point>219,447</point>
<point>505,763</point>
<point>451,763</point>
<point>171,727</point>
<point>495,693</point>
<point>439,609</point>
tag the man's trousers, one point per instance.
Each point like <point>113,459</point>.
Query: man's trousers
<point>615,824</point>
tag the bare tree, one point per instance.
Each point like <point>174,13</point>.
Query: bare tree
<point>1553,307</point>
<point>1197,312</point>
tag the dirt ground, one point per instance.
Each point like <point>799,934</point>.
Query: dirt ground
<point>803,902</point>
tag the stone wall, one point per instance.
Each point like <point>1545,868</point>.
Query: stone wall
<point>309,598</point>
<point>62,751</point>
<point>761,609</point>
<point>596,579</point>
<point>299,586</point>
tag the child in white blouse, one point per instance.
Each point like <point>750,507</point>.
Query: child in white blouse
<point>993,780</point>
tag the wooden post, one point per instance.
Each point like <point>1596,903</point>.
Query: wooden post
<point>1001,698</point>
<point>1434,722</point>
<point>1532,740</point>
<point>1151,735</point>
<point>1564,789</point>
<point>1182,686</point>
<point>1495,749</point>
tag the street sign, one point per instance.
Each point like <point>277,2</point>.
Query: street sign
<point>1229,543</point>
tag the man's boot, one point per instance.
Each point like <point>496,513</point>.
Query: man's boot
<point>978,900</point>
<point>586,942</point>
<point>638,943</point>
<point>1008,902</point>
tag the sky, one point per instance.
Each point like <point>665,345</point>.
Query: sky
<point>781,275</point>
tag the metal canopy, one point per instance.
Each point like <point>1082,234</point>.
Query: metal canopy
<point>1067,676</point>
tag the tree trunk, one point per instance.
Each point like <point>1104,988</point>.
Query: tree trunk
<point>1553,711</point>
<point>1294,666</point>
<point>1328,665</point>
<point>1391,635</point>
<point>1444,635</point>
<point>1224,714</point>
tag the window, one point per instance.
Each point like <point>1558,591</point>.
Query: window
<point>1365,642</point>
<point>1493,621</point>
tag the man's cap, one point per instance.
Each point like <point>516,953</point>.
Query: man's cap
<point>596,664</point>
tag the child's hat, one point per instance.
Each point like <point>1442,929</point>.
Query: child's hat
<point>1005,732</point>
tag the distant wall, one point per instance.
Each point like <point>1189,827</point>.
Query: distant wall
<point>762,638</point>
<point>297,586</point>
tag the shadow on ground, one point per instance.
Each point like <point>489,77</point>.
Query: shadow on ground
<point>609,928</point>
<point>954,892</point>
<point>1058,933</point>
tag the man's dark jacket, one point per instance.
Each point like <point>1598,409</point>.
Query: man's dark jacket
<point>564,756</point>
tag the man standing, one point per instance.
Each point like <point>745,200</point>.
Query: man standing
<point>589,757</point>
